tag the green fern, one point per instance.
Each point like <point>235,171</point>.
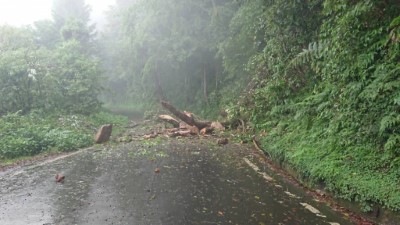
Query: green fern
<point>389,122</point>
<point>314,51</point>
<point>393,143</point>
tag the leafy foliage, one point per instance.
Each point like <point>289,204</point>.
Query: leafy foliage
<point>51,67</point>
<point>47,70</point>
<point>27,135</point>
<point>341,126</point>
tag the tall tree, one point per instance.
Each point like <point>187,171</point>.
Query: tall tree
<point>46,33</point>
<point>72,21</point>
<point>63,10</point>
<point>170,46</point>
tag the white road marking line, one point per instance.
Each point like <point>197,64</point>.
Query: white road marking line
<point>256,169</point>
<point>291,195</point>
<point>313,210</point>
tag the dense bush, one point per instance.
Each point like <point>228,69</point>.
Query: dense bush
<point>27,135</point>
<point>331,109</point>
<point>47,69</point>
<point>325,86</point>
<point>60,79</point>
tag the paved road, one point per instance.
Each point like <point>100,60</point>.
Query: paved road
<point>157,181</point>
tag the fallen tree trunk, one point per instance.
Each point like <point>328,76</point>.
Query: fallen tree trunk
<point>169,119</point>
<point>186,117</point>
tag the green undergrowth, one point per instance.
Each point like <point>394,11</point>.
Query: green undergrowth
<point>328,96</point>
<point>38,133</point>
<point>354,172</point>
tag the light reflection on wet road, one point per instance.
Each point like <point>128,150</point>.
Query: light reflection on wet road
<point>198,183</point>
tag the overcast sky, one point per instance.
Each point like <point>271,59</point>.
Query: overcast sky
<point>23,12</point>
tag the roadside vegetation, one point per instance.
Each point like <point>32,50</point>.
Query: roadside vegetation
<point>50,80</point>
<point>37,133</point>
<point>319,79</point>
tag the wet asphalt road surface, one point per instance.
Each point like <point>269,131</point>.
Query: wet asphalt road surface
<point>157,181</point>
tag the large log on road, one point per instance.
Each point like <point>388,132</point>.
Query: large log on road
<point>186,117</point>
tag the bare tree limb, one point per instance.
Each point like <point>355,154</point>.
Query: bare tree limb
<point>169,119</point>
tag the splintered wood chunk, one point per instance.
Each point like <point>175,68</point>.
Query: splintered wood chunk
<point>184,132</point>
<point>60,178</point>
<point>148,136</point>
<point>188,114</point>
<point>103,134</point>
<point>206,130</point>
<point>169,119</point>
<point>217,126</point>
<point>171,130</point>
<point>193,130</point>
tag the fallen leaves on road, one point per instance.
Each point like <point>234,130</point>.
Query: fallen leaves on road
<point>152,197</point>
<point>157,170</point>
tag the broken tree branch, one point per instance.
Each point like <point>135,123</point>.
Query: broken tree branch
<point>186,117</point>
<point>169,119</point>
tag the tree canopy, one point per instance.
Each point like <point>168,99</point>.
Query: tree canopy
<point>50,66</point>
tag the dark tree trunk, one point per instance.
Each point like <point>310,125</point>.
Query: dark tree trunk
<point>205,85</point>
<point>159,90</point>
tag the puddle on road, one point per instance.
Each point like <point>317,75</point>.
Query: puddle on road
<point>135,184</point>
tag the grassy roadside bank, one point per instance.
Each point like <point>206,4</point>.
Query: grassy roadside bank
<point>364,177</point>
<point>25,136</point>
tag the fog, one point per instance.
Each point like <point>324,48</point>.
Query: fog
<point>23,12</point>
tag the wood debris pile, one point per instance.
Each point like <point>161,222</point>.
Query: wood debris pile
<point>186,124</point>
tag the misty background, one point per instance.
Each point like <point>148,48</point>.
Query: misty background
<point>22,12</point>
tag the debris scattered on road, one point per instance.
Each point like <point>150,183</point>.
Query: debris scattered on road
<point>60,178</point>
<point>103,134</point>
